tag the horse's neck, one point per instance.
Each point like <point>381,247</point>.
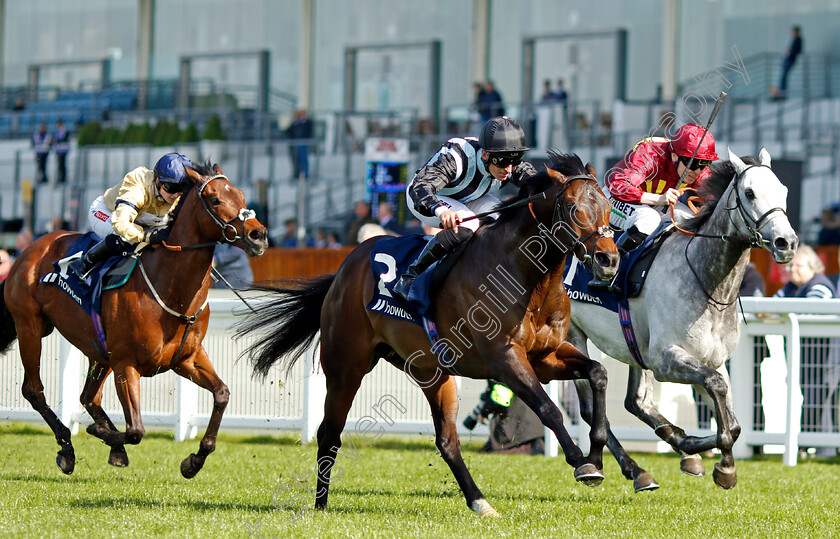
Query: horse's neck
<point>719,264</point>
<point>179,276</point>
<point>532,259</point>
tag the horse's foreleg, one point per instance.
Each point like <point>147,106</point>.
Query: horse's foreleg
<point>443,400</point>
<point>518,374</point>
<point>33,391</point>
<point>642,479</point>
<point>569,362</point>
<point>200,371</point>
<point>127,384</point>
<point>91,399</point>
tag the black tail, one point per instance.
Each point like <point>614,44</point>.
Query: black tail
<point>286,321</point>
<point>8,332</point>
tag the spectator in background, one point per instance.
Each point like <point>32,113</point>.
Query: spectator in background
<point>289,239</point>
<point>830,226</point>
<point>300,129</point>
<point>808,281</point>
<point>5,264</point>
<point>492,101</point>
<point>480,101</point>
<point>791,54</point>
<point>560,94</point>
<point>61,143</point>
<point>232,262</point>
<point>361,216</point>
<point>389,221</point>
<point>19,105</point>
<point>41,143</point>
<point>548,95</point>
<point>332,241</point>
<point>23,240</point>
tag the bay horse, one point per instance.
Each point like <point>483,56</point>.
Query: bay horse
<point>686,319</point>
<point>153,323</point>
<point>519,340</point>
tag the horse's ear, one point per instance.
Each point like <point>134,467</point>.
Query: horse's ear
<point>194,176</point>
<point>554,175</point>
<point>217,168</point>
<point>739,165</point>
<point>591,170</point>
<point>764,157</point>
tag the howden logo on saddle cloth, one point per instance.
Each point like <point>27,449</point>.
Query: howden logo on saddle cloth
<point>632,272</point>
<point>390,258</point>
<point>112,273</point>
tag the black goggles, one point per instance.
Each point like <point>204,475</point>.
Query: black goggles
<point>171,188</point>
<point>505,160</point>
<point>698,163</point>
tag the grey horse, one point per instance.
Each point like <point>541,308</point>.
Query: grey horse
<point>686,320</point>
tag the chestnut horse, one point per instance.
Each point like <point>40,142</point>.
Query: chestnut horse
<point>517,337</point>
<point>153,323</point>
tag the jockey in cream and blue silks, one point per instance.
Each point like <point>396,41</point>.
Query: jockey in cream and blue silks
<point>456,183</point>
<point>645,182</point>
<point>136,210</point>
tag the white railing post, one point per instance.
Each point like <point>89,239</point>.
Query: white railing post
<point>70,372</point>
<point>314,393</point>
<point>794,397</point>
<point>552,446</point>
<point>742,381</point>
<point>186,409</point>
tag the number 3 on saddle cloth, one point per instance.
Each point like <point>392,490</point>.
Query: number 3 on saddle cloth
<point>111,273</point>
<point>632,272</point>
<point>390,258</point>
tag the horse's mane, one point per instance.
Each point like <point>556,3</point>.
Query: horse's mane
<point>205,168</point>
<point>564,163</point>
<point>712,187</point>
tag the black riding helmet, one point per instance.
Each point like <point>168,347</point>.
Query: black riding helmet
<point>503,139</point>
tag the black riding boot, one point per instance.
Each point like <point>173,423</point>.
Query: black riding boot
<point>439,246</point>
<point>631,239</point>
<point>112,245</point>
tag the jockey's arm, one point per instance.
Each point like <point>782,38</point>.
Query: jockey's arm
<point>430,179</point>
<point>122,221</point>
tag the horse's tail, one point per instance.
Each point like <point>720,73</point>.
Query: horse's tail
<point>286,321</point>
<point>8,331</point>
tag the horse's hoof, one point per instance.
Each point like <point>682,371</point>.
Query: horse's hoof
<point>190,466</point>
<point>118,458</point>
<point>589,475</point>
<point>66,460</point>
<point>644,481</point>
<point>692,465</point>
<point>483,508</point>
<point>725,478</point>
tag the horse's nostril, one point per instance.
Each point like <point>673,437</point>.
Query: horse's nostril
<point>258,234</point>
<point>780,244</point>
<point>604,259</point>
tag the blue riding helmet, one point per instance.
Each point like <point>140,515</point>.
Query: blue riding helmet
<point>170,168</point>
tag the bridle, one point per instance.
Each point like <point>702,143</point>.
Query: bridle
<point>225,226</point>
<point>753,237</point>
<point>568,239</point>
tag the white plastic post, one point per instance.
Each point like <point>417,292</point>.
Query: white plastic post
<point>794,398</point>
<point>70,373</point>
<point>742,379</point>
<point>186,408</point>
<point>314,393</point>
<point>552,446</point>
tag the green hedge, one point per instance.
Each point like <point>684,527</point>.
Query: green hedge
<point>162,133</point>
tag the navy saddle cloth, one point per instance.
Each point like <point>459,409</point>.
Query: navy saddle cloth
<point>89,295</point>
<point>389,259</point>
<point>632,272</point>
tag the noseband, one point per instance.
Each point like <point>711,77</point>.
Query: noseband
<point>568,236</point>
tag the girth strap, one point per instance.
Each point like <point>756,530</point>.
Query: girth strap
<point>629,334</point>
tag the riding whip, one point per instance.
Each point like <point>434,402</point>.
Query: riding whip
<point>712,117</point>
<point>523,202</point>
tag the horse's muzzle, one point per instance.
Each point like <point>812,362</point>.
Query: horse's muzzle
<point>604,265</point>
<point>783,248</point>
<point>256,241</point>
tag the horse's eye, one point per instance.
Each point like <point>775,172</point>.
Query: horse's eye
<point>215,201</point>
<point>749,193</point>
